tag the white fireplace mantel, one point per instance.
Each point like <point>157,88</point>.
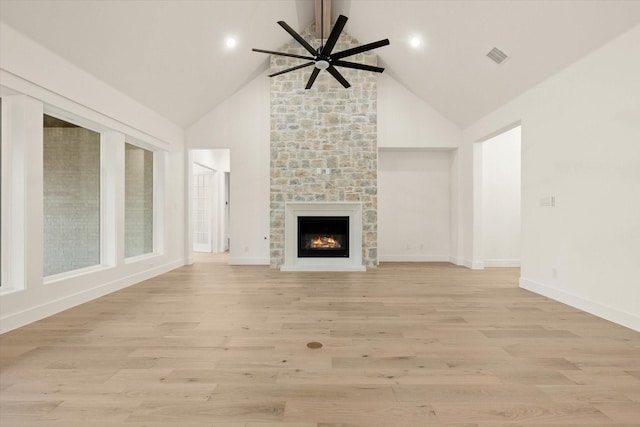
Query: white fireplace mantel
<point>295,209</point>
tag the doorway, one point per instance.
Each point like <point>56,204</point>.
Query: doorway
<point>501,199</point>
<point>210,200</point>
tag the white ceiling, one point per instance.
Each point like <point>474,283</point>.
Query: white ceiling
<point>170,54</point>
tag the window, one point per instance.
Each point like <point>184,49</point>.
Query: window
<point>138,215</point>
<point>2,193</point>
<point>71,197</point>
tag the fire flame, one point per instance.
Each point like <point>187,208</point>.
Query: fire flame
<point>324,242</point>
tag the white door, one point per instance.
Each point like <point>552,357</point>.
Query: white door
<point>227,210</point>
<point>202,211</point>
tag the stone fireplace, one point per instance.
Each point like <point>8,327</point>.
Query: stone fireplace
<point>323,158</point>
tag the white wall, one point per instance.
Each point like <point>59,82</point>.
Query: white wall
<point>216,159</point>
<point>226,127</point>
<point>406,121</point>
<point>501,200</point>
<point>242,124</point>
<point>414,205</point>
<point>581,145</point>
<point>35,80</point>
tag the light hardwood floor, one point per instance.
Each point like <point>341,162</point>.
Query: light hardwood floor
<point>403,345</point>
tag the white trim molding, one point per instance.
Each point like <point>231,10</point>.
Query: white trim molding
<point>415,258</point>
<point>624,318</point>
<point>248,261</point>
<point>49,308</point>
<point>502,263</point>
<point>474,265</point>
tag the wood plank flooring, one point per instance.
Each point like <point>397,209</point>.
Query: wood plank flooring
<point>403,345</point>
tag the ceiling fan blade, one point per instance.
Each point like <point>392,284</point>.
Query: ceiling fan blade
<point>273,52</point>
<point>306,64</point>
<point>357,66</point>
<point>335,73</point>
<point>312,79</point>
<point>335,34</point>
<point>360,49</point>
<point>298,38</point>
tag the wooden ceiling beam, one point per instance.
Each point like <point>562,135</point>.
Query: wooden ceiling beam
<point>327,18</point>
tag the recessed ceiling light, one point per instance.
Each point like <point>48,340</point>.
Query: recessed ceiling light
<point>415,42</point>
<point>230,42</point>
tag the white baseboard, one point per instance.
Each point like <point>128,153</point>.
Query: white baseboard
<point>502,263</point>
<point>249,261</point>
<point>474,265</point>
<point>332,268</point>
<point>613,314</point>
<point>33,314</point>
<point>414,258</point>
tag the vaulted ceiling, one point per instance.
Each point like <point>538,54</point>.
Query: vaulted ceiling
<point>170,55</point>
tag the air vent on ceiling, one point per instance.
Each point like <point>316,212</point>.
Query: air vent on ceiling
<point>497,56</point>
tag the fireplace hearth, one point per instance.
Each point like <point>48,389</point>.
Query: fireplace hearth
<point>323,236</point>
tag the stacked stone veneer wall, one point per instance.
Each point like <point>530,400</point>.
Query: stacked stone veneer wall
<point>323,142</point>
<point>71,204</point>
<point>138,196</point>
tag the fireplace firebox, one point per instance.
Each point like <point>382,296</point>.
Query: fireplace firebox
<point>323,237</point>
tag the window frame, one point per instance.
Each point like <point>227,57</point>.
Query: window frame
<point>103,245</point>
<point>5,195</point>
<point>158,231</point>
<point>13,200</point>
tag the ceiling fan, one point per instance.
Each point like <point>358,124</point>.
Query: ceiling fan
<point>323,58</point>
